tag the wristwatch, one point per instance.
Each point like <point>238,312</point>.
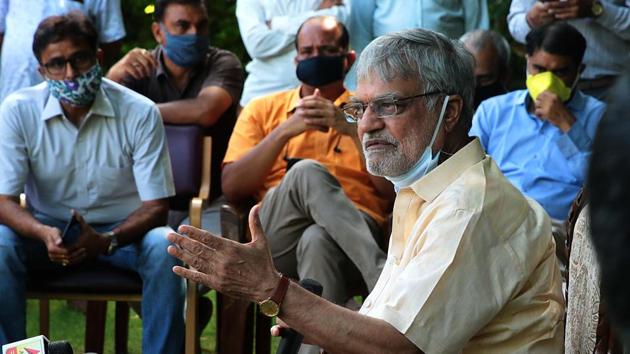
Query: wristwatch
<point>271,306</point>
<point>113,243</point>
<point>597,9</point>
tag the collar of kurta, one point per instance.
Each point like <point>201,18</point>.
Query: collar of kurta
<point>295,98</point>
<point>101,106</point>
<point>436,181</point>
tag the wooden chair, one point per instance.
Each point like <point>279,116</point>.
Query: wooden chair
<point>98,284</point>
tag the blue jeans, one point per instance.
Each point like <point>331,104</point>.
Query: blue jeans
<point>163,292</point>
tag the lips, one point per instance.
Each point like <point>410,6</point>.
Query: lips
<point>376,144</point>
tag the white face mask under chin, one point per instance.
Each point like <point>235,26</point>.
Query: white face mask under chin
<point>427,161</point>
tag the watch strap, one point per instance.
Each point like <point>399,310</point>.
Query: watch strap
<point>113,241</point>
<point>281,291</point>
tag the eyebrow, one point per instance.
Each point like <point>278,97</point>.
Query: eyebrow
<point>392,94</point>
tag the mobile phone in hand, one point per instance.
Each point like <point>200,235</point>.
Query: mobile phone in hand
<point>71,222</point>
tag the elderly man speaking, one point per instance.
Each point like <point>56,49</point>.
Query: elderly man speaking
<point>471,265</point>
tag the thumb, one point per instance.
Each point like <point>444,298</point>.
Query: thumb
<point>255,226</point>
<point>317,93</point>
<point>79,218</point>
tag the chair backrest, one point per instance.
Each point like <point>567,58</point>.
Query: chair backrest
<point>185,145</point>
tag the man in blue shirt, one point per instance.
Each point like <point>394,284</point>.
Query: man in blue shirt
<point>541,137</point>
<point>85,146</point>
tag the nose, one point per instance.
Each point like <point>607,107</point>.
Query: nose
<point>71,73</point>
<point>370,122</point>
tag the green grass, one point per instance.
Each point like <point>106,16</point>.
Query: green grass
<point>68,324</point>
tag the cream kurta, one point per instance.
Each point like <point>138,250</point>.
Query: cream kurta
<point>471,265</point>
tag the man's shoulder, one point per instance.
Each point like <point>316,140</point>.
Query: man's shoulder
<point>28,95</point>
<point>506,100</point>
<point>592,103</point>
<point>31,99</point>
<point>272,102</point>
<point>122,96</point>
<point>223,57</point>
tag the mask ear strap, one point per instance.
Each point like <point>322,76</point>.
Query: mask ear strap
<point>437,127</point>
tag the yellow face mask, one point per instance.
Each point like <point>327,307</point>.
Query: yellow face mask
<point>547,81</point>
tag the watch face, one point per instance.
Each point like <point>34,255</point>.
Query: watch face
<point>269,308</point>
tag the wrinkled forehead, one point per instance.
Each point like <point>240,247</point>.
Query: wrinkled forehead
<point>372,86</point>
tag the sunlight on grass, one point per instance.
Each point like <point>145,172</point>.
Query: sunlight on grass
<point>68,324</point>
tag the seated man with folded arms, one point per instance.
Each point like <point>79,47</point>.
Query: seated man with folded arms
<point>541,137</point>
<point>325,214</point>
<point>471,265</point>
<point>191,82</point>
<point>85,146</point>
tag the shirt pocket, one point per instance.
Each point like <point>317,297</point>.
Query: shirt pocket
<point>113,182</point>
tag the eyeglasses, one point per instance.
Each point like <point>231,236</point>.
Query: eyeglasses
<point>80,62</point>
<point>382,107</point>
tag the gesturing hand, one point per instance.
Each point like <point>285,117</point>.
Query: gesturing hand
<point>240,270</point>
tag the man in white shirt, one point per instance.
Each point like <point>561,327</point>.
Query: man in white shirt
<point>85,146</point>
<point>268,29</point>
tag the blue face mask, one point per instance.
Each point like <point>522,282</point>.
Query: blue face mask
<point>185,50</point>
<point>425,164</point>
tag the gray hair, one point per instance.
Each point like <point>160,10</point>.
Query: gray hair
<point>480,39</point>
<point>434,61</point>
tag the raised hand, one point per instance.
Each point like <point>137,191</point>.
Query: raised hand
<point>244,271</point>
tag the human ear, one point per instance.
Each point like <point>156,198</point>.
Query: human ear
<point>454,109</point>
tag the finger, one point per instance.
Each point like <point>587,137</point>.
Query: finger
<point>56,238</point>
<point>199,262</point>
<point>276,331</point>
<point>150,58</point>
<point>318,113</point>
<point>134,71</point>
<point>189,245</point>
<point>59,252</point>
<point>79,218</point>
<point>145,65</point>
<point>317,93</point>
<point>567,16</point>
<point>194,275</point>
<point>77,255</point>
<point>255,227</point>
<point>202,236</point>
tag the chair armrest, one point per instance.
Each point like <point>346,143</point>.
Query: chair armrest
<point>234,218</point>
<point>204,190</point>
<point>196,204</point>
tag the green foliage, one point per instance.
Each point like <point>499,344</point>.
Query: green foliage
<point>499,10</point>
